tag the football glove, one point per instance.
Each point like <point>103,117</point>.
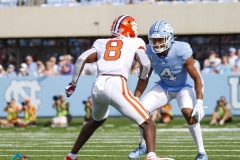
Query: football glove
<point>199,109</point>
<point>70,89</point>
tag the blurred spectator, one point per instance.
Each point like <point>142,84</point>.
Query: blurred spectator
<point>40,69</point>
<point>12,116</point>
<point>88,110</point>
<point>30,2</point>
<point>211,64</point>
<point>4,57</point>
<point>211,68</point>
<point>49,70</point>
<point>23,70</point>
<point>30,113</point>
<point>237,63</point>
<point>67,67</point>
<point>54,62</point>
<point>222,112</point>
<point>213,59</point>
<point>10,72</point>
<point>32,66</point>
<point>2,71</point>
<point>232,56</point>
<point>69,59</point>
<point>61,62</point>
<point>90,69</point>
<point>163,114</point>
<point>225,67</point>
<point>63,117</point>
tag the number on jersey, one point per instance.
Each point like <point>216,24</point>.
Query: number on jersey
<point>113,50</point>
<point>167,73</point>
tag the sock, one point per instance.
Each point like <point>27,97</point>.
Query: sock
<point>73,156</point>
<point>142,140</point>
<point>151,154</point>
<point>196,132</point>
<point>213,121</point>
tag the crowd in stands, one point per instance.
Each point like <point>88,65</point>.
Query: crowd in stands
<point>57,3</point>
<point>52,67</point>
<point>228,63</point>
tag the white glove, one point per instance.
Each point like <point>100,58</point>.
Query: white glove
<point>199,109</point>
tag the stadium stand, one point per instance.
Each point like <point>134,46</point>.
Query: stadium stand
<point>8,3</point>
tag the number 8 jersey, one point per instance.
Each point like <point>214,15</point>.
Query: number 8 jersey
<point>116,55</point>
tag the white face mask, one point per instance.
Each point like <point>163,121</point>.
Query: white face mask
<point>158,47</point>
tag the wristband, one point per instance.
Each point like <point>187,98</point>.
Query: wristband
<point>199,101</point>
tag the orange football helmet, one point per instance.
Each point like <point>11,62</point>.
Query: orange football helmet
<point>124,26</point>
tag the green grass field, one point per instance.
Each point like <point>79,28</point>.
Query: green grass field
<point>117,137</point>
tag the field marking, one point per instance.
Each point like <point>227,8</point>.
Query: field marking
<point>125,146</point>
<point>133,143</point>
<point>118,150</point>
<point>160,130</point>
<point>203,130</point>
<point>87,155</point>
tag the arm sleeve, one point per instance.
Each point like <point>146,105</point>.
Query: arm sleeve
<point>79,63</point>
<point>144,63</point>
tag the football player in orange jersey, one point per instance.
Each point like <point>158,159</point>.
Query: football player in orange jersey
<point>114,57</point>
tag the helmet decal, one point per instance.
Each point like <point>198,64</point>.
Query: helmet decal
<point>168,28</point>
<point>124,26</point>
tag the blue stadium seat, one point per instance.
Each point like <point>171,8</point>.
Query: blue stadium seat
<point>8,3</point>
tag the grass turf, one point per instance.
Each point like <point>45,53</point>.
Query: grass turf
<point>117,137</point>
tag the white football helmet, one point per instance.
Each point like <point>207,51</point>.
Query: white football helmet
<point>161,29</point>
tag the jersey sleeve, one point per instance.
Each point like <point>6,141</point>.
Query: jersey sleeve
<point>95,44</point>
<point>142,44</point>
<point>186,51</point>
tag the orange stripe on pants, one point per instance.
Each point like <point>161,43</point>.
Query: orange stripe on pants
<point>125,93</point>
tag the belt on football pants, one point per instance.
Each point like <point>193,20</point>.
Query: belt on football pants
<point>114,75</point>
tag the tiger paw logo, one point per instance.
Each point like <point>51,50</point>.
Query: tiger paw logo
<point>20,156</point>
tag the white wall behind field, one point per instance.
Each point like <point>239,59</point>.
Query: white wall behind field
<point>195,18</point>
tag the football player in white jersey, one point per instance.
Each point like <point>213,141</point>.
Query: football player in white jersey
<point>114,57</point>
<point>179,79</point>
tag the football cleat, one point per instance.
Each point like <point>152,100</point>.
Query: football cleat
<point>69,158</point>
<point>201,156</point>
<point>138,152</point>
<point>153,158</point>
